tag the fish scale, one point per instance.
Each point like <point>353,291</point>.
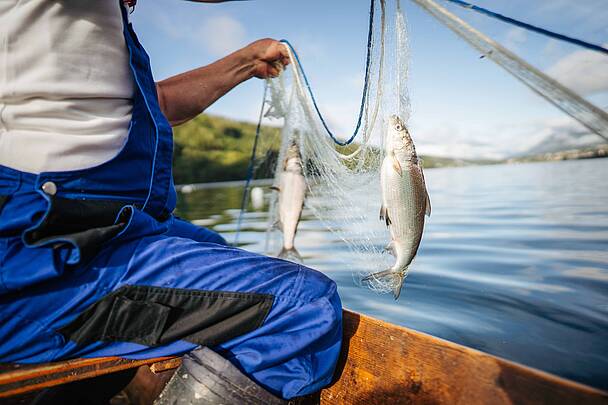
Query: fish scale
<point>406,203</point>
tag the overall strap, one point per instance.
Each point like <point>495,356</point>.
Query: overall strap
<point>161,197</point>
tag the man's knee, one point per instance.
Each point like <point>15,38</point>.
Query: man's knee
<point>315,285</point>
<point>210,236</point>
<point>318,318</point>
<point>184,229</point>
<point>316,295</point>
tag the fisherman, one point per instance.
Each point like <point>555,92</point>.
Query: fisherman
<point>92,260</point>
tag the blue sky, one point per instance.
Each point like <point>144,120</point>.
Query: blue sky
<point>462,106</point>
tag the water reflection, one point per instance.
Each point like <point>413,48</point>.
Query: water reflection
<point>514,261</point>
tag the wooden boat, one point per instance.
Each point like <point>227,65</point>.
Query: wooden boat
<point>380,363</point>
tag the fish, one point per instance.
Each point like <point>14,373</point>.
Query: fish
<point>405,202</point>
<point>292,194</point>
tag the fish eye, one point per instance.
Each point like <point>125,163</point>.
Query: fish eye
<point>398,127</point>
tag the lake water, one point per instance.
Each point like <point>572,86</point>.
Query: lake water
<point>513,262</point>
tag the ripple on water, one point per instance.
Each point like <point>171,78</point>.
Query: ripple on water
<point>514,261</point>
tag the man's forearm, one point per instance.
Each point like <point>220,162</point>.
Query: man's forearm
<point>186,95</point>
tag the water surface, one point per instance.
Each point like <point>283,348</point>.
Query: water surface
<point>513,262</point>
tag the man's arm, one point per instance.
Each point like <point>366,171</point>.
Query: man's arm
<point>184,96</point>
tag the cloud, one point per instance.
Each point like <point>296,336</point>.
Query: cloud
<point>310,47</point>
<point>515,37</point>
<point>168,25</point>
<point>354,80</point>
<point>583,71</point>
<point>583,16</point>
<point>222,35</point>
<point>449,140</point>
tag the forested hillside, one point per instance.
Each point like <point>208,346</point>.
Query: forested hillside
<point>211,148</point>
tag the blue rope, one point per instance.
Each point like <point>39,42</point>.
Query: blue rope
<point>365,83</point>
<point>245,198</point>
<point>530,27</point>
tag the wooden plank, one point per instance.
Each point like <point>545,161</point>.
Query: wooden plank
<point>19,379</point>
<point>380,364</point>
<point>383,363</point>
<point>165,365</point>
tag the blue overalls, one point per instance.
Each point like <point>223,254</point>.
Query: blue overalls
<point>93,263</point>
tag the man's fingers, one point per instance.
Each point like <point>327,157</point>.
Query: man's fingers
<point>275,69</point>
<point>285,58</point>
<point>277,65</point>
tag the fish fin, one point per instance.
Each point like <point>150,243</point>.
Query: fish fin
<point>290,254</point>
<point>397,165</point>
<point>390,248</point>
<point>380,274</point>
<point>426,194</point>
<point>384,215</point>
<point>275,188</point>
<point>396,278</point>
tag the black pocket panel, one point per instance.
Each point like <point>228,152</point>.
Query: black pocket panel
<point>70,216</point>
<point>87,224</point>
<point>155,315</point>
<point>136,321</point>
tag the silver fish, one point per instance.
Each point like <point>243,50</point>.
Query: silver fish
<point>405,202</point>
<point>292,192</point>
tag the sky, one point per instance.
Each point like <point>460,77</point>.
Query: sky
<point>462,106</point>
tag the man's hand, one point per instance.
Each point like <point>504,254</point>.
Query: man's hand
<point>184,96</point>
<point>269,57</point>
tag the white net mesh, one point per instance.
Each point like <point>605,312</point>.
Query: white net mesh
<point>343,182</point>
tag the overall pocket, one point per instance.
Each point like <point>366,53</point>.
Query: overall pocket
<point>136,321</point>
<point>154,316</point>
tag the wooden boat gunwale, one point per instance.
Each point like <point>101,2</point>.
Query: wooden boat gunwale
<point>380,363</point>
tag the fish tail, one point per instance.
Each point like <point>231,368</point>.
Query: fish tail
<point>290,254</point>
<point>399,279</point>
<point>396,279</point>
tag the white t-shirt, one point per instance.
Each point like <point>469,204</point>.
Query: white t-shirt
<point>65,84</point>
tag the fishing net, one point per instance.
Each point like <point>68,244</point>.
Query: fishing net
<point>342,172</point>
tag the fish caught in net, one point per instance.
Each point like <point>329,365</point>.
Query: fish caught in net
<point>341,174</point>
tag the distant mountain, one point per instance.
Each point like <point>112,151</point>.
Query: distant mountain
<point>560,142</point>
<point>598,151</point>
<point>561,137</point>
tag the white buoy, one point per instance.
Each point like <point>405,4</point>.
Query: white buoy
<point>257,198</point>
<point>187,189</point>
